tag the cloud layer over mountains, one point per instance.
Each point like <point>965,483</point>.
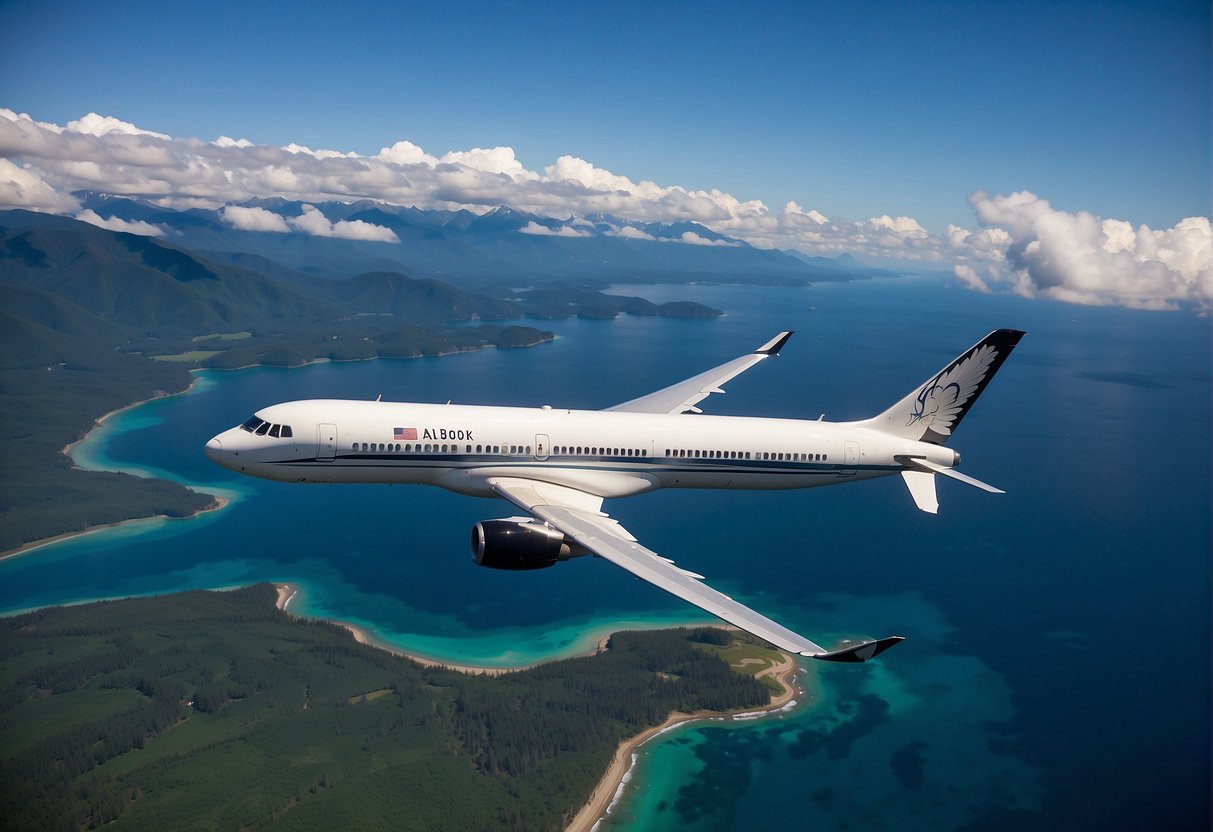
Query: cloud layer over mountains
<point>1021,244</point>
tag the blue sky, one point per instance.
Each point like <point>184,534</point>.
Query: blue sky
<point>856,110</point>
<point>1058,150</point>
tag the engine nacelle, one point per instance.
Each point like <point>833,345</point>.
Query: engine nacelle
<point>517,543</point>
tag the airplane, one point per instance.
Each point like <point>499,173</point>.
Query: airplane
<point>558,465</point>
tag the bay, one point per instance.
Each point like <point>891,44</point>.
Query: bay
<point>1056,670</point>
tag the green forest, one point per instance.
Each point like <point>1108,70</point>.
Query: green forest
<point>216,710</point>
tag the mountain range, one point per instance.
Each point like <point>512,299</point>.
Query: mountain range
<point>463,247</point>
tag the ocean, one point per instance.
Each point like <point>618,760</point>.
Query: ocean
<point>1056,672</point>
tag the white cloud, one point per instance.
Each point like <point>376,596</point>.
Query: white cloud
<point>796,215</point>
<point>970,279</point>
<point>24,187</point>
<point>538,230</point>
<point>95,125</point>
<point>629,232</point>
<point>253,219</point>
<point>1032,248</point>
<point>143,229</point>
<point>313,222</point>
<point>406,153</point>
<point>319,154</point>
<point>1039,251</point>
<point>693,239</point>
<point>490,160</point>
<point>228,141</point>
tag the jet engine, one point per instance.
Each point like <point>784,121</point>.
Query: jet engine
<point>517,543</point>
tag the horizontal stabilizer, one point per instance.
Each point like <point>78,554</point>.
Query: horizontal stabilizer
<point>859,652</point>
<point>956,475</point>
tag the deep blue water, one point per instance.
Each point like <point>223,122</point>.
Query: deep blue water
<point>1057,669</point>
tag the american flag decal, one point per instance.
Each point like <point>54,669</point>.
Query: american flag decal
<point>405,434</point>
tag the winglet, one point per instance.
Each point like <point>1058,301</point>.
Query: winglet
<point>773,346</point>
<point>858,653</point>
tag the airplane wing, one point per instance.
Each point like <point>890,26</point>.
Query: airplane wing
<point>574,513</point>
<point>683,396</point>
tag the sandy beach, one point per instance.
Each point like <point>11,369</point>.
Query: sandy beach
<point>286,592</point>
<point>608,787</point>
<point>621,763</point>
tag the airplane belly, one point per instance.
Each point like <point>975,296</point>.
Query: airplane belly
<point>600,483</point>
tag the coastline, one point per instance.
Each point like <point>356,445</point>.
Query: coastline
<point>609,789</point>
<point>610,785</point>
<point>25,548</point>
<point>288,591</point>
<point>218,503</point>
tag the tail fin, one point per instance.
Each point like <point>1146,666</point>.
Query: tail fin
<point>932,412</point>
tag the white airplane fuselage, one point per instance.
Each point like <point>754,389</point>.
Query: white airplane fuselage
<point>559,465</point>
<point>601,453</point>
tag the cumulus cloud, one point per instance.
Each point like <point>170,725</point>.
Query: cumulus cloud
<point>970,279</point>
<point>693,239</point>
<point>629,232</point>
<point>405,153</point>
<point>1022,244</point>
<point>253,219</point>
<point>315,223</point>
<point>228,141</point>
<point>95,125</point>
<point>535,228</point>
<point>24,187</point>
<point>143,229</point>
<point>1039,251</point>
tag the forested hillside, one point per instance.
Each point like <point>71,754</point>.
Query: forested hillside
<point>215,710</point>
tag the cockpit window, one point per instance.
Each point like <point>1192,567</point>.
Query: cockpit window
<point>260,427</point>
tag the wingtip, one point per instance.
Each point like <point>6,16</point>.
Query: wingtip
<point>773,346</point>
<point>858,652</point>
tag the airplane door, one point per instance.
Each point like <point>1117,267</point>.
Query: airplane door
<point>542,448</point>
<point>326,442</point>
<point>850,457</point>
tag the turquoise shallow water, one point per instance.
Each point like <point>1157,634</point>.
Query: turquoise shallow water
<point>1048,678</point>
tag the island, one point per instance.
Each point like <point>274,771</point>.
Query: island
<point>222,710</point>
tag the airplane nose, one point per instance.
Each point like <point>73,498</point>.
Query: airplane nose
<point>214,448</point>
